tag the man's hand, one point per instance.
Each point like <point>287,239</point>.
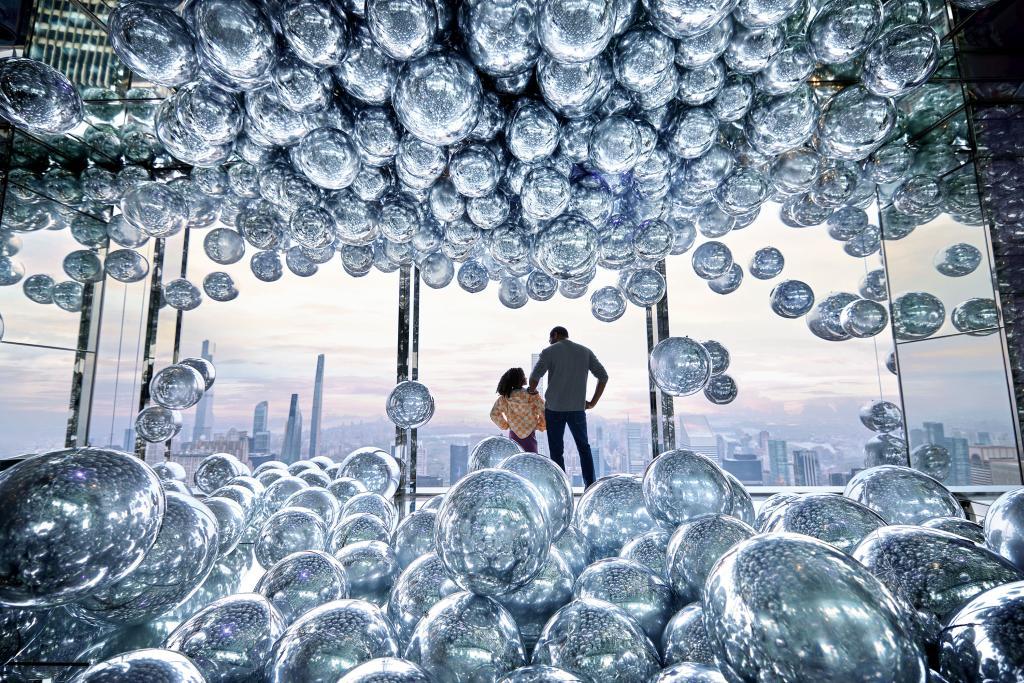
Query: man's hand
<point>591,404</point>
<point>531,390</point>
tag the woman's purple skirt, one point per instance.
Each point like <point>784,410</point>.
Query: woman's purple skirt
<point>529,444</point>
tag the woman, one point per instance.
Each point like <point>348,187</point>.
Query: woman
<point>518,411</point>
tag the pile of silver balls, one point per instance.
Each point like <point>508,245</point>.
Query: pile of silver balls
<point>671,576</point>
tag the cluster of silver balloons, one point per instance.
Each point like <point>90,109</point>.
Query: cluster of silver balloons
<point>532,143</point>
<point>173,389</point>
<point>682,366</point>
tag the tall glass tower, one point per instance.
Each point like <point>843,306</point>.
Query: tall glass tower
<point>291,450</point>
<point>318,400</point>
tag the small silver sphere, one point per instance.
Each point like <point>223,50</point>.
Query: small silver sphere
<point>302,581</point>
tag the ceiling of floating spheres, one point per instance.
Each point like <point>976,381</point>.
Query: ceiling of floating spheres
<point>524,143</point>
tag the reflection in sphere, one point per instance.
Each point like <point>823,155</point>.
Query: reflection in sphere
<point>981,640</point>
<point>491,452</point>
<point>597,641</point>
<point>931,459</point>
<point>901,495</point>
<point>936,572</point>
<point>230,639</point>
<point>156,424</point>
<point>685,639</point>
<point>958,260</point>
<point>373,503</point>
<point>680,366</point>
<point>318,500</point>
<point>771,504</point>
<point>885,449</point>
<point>575,30</point>
<point>182,295</point>
<point>901,60</point>
<point>375,469</point>
<point>180,560</point>
<point>977,316</point>
<point>421,585</point>
<point>466,623</point>
<point>331,640</point>
<point>881,416</point>
<point>680,485</point>
<point>644,287</point>
<point>512,292</point>
<point>289,531</point>
<point>344,487</point>
<point>156,209</point>
<point>372,568</point>
<point>629,585</point>
<point>533,604</point>
<point>216,470</point>
<point>863,318</point>
<point>125,265</point>
<point>437,98</point>
<point>917,315</point>
<point>359,526</point>
<point>37,97</point>
<point>204,368</point>
<point>805,579</point>
<point>302,581</point>
<point>648,549</point>
<point>719,356</point>
<point>694,549</point>
<point>721,389</point>
<point>492,534</point>
<point>139,666</point>
<point>575,549</point>
<point>567,247</point>
<point>437,270</point>
<point>231,521</point>
<point>611,512</point>
<point>552,483</point>
<point>386,670</point>
<point>219,286</point>
<point>402,29</point>
<point>410,405</point>
<point>414,536</point>
<point>1004,527</point>
<point>80,542</point>
<point>39,288</point>
<point>836,520</point>
<point>169,470</point>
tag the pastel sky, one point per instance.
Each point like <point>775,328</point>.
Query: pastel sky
<point>267,341</point>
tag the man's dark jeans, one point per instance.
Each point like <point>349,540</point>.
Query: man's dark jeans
<point>577,421</point>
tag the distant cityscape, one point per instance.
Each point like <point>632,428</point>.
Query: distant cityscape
<point>776,455</point>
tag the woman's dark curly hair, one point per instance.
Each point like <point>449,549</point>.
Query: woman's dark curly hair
<point>514,378</point>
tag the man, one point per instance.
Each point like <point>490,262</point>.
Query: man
<point>567,365</point>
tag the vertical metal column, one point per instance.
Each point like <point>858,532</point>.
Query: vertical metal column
<point>407,369</point>
<point>83,377</point>
<point>152,320</point>
<point>663,428</point>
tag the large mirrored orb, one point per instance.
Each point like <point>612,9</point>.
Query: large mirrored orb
<point>881,416</point>
<point>37,97</point>
<point>140,666</point>
<point>317,500</point>
<point>375,469</point>
<point>231,522</point>
<point>331,640</point>
<point>681,484</point>
<point>1004,527</point>
<point>302,581</point>
<point>901,495</point>
<point>156,44</point>
<point>386,670</point>
<point>769,506</point>
<point>680,366</point>
<point>492,534</point>
<point>178,562</point>
<point>532,605</point>
<point>597,641</point>
<point>764,597</point>
<point>981,641</point>
<point>374,504</point>
<point>461,624</point>
<point>964,528</point>
<point>288,531</point>
<point>649,549</point>
<point>421,585</point>
<point>631,586</point>
<point>935,571</point>
<point>694,549</point>
<point>372,568</point>
<point>685,639</point>
<point>177,387</point>
<point>75,521</point>
<point>552,483</point>
<point>611,512</point>
<point>414,536</point>
<point>230,639</point>
<point>437,98</point>
<point>216,470</point>
<point>410,405</point>
<point>491,452</point>
<point>837,520</point>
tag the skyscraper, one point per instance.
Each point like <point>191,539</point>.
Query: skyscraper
<point>260,433</point>
<point>959,462</point>
<point>458,462</point>
<point>778,463</point>
<point>638,452</point>
<point>318,398</point>
<point>934,433</point>
<point>696,434</point>
<point>202,429</point>
<point>805,467</point>
<point>291,450</point>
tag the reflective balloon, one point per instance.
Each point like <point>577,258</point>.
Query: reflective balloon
<point>414,536</point>
<point>386,670</point>
<point>551,482</point>
<point>681,484</point>
<point>465,623</point>
<point>421,585</point>
<point>680,366</point>
<point>491,452</point>
<point>685,639</point>
<point>1004,527</point>
<point>302,581</point>
<point>410,405</point>
<point>37,97</point>
<point>901,495</point>
<point>139,666</point>
<point>371,567</point>
<point>834,519</point>
<point>972,531</point>
<point>331,640</point>
<point>694,549</point>
<point>376,470</point>
<point>81,541</point>
<point>611,512</point>
<point>217,470</point>
<point>533,604</point>
<point>638,591</point>
<point>288,531</point>
<point>979,642</point>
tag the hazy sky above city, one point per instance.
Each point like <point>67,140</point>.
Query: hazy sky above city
<point>267,341</point>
